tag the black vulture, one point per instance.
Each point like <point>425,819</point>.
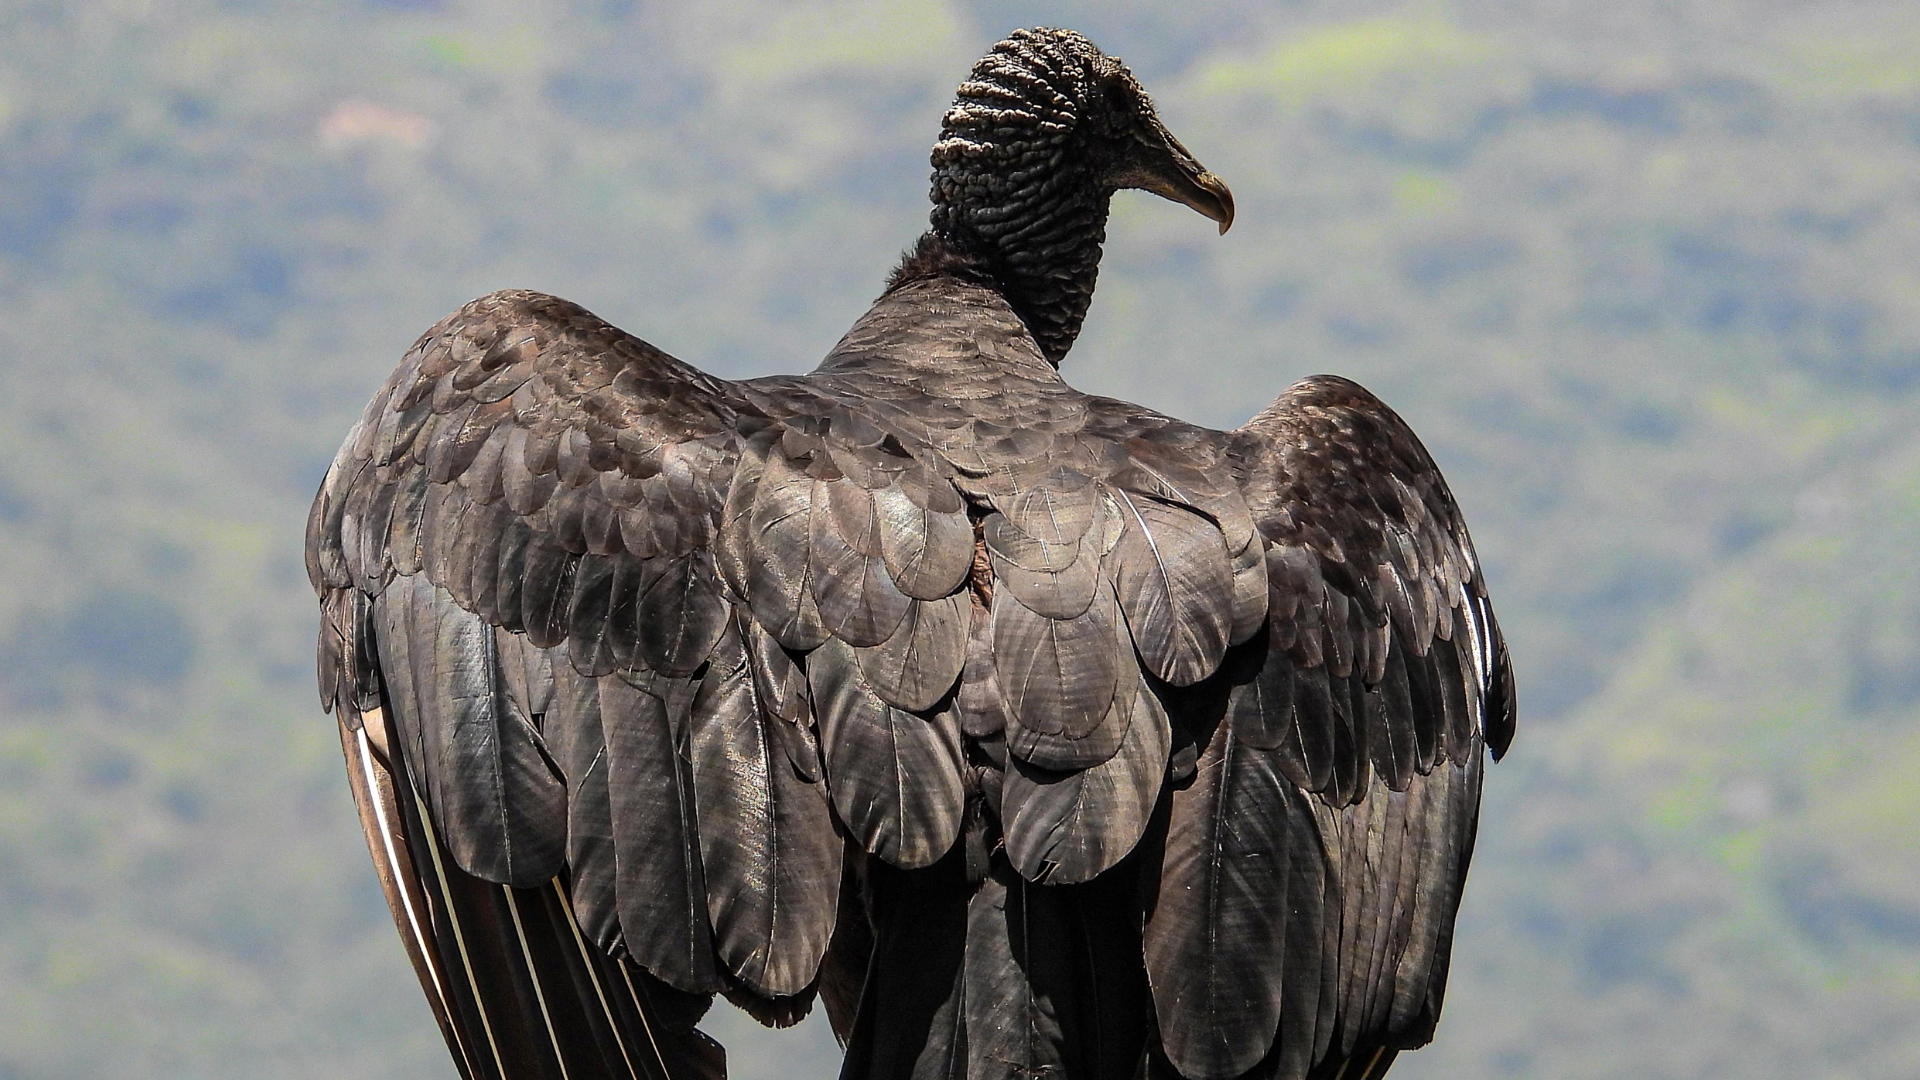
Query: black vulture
<point>1034,733</point>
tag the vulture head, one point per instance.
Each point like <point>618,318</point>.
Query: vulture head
<point>1041,135</point>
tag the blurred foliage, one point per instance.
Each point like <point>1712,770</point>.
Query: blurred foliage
<point>1343,58</point>
<point>1645,275</point>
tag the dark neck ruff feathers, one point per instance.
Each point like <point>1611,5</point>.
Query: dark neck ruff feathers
<point>1014,204</point>
<point>932,257</point>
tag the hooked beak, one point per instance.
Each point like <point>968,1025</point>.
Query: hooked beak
<point>1161,165</point>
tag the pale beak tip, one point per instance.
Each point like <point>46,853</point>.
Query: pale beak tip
<point>1223,197</point>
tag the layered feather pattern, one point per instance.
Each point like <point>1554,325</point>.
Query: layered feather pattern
<point>1314,863</point>
<point>1114,700</point>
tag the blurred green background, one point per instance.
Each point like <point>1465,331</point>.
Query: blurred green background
<point>1645,274</point>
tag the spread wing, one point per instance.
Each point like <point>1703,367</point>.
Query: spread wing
<point>1314,858</point>
<point>569,589</point>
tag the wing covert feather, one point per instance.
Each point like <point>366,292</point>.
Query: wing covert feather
<point>661,886</point>
<point>1216,944</point>
<point>1066,827</point>
<point>768,848</point>
<point>1175,583</point>
<point>895,776</point>
<point>501,807</point>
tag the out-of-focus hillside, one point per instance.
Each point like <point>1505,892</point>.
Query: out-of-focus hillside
<point>1645,275</point>
<point>1709,870</point>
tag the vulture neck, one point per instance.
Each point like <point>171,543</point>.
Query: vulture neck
<point>1043,257</point>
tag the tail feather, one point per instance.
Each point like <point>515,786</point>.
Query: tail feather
<point>488,991</point>
<point>844,969</point>
<point>1366,1063</point>
<point>1056,984</point>
<point>1017,981</point>
<point>392,860</point>
<point>908,1024</point>
<point>997,978</point>
<point>518,992</point>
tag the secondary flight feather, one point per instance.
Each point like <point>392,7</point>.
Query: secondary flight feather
<point>1036,732</point>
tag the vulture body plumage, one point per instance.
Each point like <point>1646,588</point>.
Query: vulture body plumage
<point>1033,732</point>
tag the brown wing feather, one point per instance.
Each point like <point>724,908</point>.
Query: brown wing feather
<point>534,483</point>
<point>1340,757</point>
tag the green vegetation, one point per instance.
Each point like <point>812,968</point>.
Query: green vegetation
<point>1645,275</point>
<point>1341,58</point>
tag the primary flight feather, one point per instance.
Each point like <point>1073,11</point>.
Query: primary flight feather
<point>1036,733</point>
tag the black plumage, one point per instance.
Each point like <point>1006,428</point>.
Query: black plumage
<point>772,862</point>
<point>1035,732</point>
